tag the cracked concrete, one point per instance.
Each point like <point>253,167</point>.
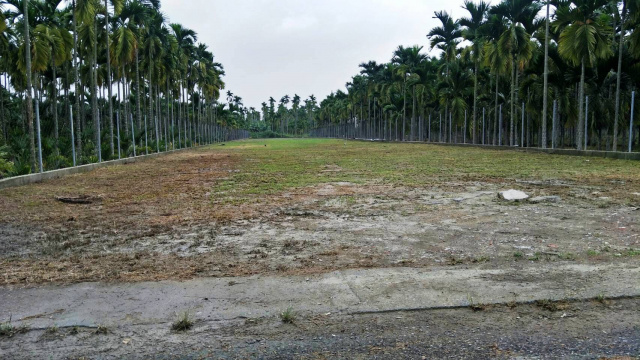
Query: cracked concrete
<point>348,291</point>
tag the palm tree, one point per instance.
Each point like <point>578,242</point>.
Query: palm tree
<point>516,42</point>
<point>473,32</point>
<point>498,63</point>
<point>409,61</point>
<point>545,97</point>
<point>623,19</point>
<point>583,41</point>
<point>446,38</point>
<point>117,7</point>
<point>29,90</point>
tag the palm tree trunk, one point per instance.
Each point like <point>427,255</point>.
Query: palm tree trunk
<point>581,109</point>
<point>29,90</point>
<point>413,114</point>
<point>475,104</point>
<point>512,116</point>
<point>76,70</point>
<point>138,113</point>
<point>545,96</point>
<point>404,106</point>
<point>106,11</point>
<point>495,124</point>
<point>618,77</point>
<point>94,92</point>
<point>54,88</point>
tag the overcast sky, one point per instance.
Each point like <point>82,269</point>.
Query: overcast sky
<point>277,47</point>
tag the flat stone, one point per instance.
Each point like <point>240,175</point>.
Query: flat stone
<point>512,195</point>
<point>545,199</point>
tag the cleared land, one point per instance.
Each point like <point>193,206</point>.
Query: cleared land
<point>325,249</point>
<point>309,206</point>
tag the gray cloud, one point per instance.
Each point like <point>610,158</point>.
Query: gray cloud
<point>278,47</point>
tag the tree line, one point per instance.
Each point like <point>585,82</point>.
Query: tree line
<point>517,73</point>
<point>85,81</point>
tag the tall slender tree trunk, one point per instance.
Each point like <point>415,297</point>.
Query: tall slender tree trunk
<point>413,114</point>
<point>475,104</point>
<point>581,109</point>
<point>138,112</point>
<point>106,13</point>
<point>512,116</point>
<point>616,118</point>
<point>495,124</point>
<point>94,92</point>
<point>54,96</point>
<point>29,90</point>
<point>545,96</point>
<point>404,107</point>
<point>3,121</point>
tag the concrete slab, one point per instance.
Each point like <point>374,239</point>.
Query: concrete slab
<point>349,291</point>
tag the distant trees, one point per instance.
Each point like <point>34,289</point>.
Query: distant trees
<point>126,80</point>
<point>592,49</point>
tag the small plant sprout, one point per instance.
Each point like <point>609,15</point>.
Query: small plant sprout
<point>288,316</point>
<point>183,322</point>
<point>102,330</point>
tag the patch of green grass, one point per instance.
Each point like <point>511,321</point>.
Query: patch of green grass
<point>592,253</point>
<point>183,322</point>
<point>633,252</point>
<point>288,316</point>
<point>567,256</point>
<point>518,255</point>
<point>535,257</point>
<point>295,163</point>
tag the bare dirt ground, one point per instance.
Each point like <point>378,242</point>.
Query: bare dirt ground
<point>177,217</point>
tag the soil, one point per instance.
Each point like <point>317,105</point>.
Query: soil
<point>160,219</point>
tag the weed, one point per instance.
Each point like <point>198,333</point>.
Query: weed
<point>288,316</point>
<point>633,252</point>
<point>74,330</point>
<point>481,259</point>
<point>592,253</point>
<point>183,322</point>
<point>473,306</point>
<point>567,256</point>
<point>101,330</point>
<point>535,257</point>
<point>6,329</point>
<point>518,255</point>
<point>51,330</point>
<point>552,305</point>
<point>601,298</point>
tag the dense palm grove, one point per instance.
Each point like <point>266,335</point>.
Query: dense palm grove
<point>497,81</point>
<point>105,79</point>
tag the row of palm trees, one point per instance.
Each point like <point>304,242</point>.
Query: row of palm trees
<point>560,73</point>
<point>292,115</point>
<point>85,81</point>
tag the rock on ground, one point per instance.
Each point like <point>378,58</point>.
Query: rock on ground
<point>513,195</point>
